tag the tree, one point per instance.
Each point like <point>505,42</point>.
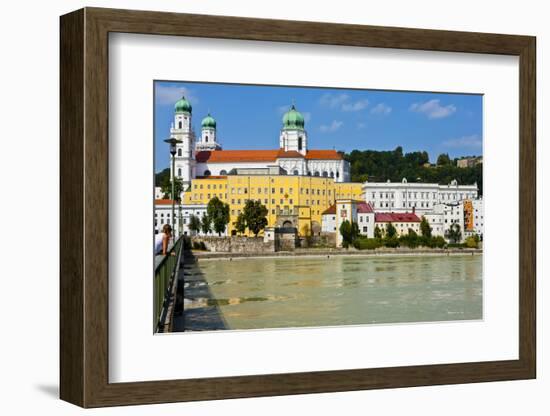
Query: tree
<point>255,216</point>
<point>240,224</point>
<point>205,224</point>
<point>354,231</point>
<point>166,188</point>
<point>377,232</point>
<point>194,223</point>
<point>390,231</point>
<point>454,234</point>
<point>425,228</point>
<point>346,233</point>
<point>443,159</point>
<point>218,213</point>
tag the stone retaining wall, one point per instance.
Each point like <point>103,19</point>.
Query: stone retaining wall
<point>236,244</point>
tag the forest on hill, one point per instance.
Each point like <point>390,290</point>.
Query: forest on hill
<point>393,165</point>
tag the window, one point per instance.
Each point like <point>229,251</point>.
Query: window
<point>223,172</point>
<point>365,229</point>
<point>325,174</point>
<point>179,152</point>
<point>180,124</point>
<point>316,173</point>
<point>179,171</point>
<point>207,173</point>
<point>206,139</point>
<point>299,143</point>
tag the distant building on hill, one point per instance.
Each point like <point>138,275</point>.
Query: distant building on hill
<point>469,162</point>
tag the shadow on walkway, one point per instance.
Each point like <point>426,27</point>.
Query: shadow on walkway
<point>196,306</point>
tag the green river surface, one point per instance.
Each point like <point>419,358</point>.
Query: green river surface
<point>320,291</point>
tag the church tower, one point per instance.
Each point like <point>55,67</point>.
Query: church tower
<point>185,153</point>
<point>293,134</point>
<point>208,140</point>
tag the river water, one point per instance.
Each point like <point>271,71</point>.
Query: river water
<point>340,290</point>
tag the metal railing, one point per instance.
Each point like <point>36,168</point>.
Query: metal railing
<point>166,269</point>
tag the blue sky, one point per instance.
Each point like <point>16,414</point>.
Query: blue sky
<point>249,117</point>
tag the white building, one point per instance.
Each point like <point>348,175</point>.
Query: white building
<point>163,215</point>
<point>348,209</point>
<point>205,157</point>
<point>158,193</point>
<point>436,221</point>
<point>478,216</point>
<point>420,197</point>
<point>453,213</point>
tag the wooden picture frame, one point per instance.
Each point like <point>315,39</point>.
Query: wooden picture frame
<point>84,207</point>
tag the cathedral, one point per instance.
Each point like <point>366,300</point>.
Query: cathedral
<point>204,157</point>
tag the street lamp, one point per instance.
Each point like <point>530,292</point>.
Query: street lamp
<point>173,142</point>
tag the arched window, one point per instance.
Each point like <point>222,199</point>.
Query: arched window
<point>295,172</point>
<point>179,152</point>
<point>206,139</point>
<point>308,173</point>
<point>325,174</point>
<point>332,174</point>
<point>223,172</point>
<point>180,125</point>
<point>337,174</point>
<point>300,143</point>
<point>316,173</point>
<point>207,173</point>
<point>179,171</point>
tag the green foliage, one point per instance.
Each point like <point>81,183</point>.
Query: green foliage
<point>166,188</point>
<point>255,214</point>
<point>390,231</point>
<point>471,242</point>
<point>425,228</point>
<point>392,165</point>
<point>410,240</point>
<point>377,232</point>
<point>218,213</point>
<point>443,159</point>
<point>345,232</point>
<point>363,243</point>
<point>162,177</point>
<point>454,234</point>
<point>240,224</point>
<point>392,242</point>
<point>194,223</point>
<point>205,224</point>
<point>354,231</point>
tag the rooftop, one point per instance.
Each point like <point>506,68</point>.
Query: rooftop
<point>395,217</point>
<point>230,156</point>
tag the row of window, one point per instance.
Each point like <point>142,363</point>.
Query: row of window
<point>423,195</point>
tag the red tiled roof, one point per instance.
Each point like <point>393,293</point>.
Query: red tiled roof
<point>289,154</point>
<point>395,217</point>
<point>163,202</point>
<point>364,208</point>
<point>228,156</point>
<point>323,154</point>
<point>212,177</point>
<point>330,210</point>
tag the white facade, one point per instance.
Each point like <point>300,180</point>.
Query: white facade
<point>420,197</point>
<point>184,162</point>
<point>158,192</point>
<point>328,223</point>
<point>453,213</point>
<point>163,215</point>
<point>436,221</point>
<point>365,221</point>
<point>477,205</point>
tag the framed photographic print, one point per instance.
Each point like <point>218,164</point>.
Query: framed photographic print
<point>314,207</point>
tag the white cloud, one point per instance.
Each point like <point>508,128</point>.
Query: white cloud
<point>361,126</point>
<point>333,100</point>
<point>356,106</point>
<point>342,102</point>
<point>332,127</point>
<point>473,141</point>
<point>381,109</point>
<point>433,109</point>
<point>169,94</point>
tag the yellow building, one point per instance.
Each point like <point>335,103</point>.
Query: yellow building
<point>297,201</point>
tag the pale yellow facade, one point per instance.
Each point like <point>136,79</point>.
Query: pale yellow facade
<point>303,196</point>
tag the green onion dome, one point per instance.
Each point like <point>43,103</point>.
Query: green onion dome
<point>293,119</point>
<point>183,106</point>
<point>208,122</point>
